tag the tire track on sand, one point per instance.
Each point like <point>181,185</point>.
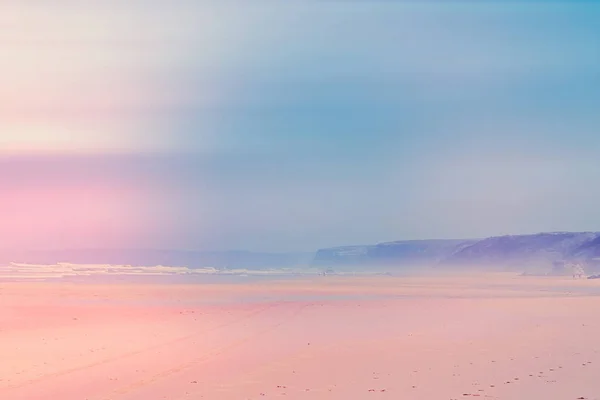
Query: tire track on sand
<point>134,353</point>
<point>127,389</point>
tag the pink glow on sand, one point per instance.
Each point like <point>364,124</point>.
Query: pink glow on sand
<point>501,337</point>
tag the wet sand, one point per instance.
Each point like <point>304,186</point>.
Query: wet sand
<point>494,336</point>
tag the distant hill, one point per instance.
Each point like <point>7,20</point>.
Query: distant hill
<point>541,249</point>
<point>149,257</point>
<point>589,249</point>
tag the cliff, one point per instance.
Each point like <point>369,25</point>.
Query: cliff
<point>541,249</point>
<point>509,250</point>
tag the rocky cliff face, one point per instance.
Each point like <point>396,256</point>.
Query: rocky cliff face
<point>590,249</point>
<point>540,249</point>
<point>510,250</point>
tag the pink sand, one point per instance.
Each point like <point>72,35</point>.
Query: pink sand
<point>499,337</point>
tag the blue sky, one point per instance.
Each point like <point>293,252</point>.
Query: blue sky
<point>293,126</point>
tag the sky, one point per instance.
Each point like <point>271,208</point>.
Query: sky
<point>292,126</point>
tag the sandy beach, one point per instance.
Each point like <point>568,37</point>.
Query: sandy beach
<point>496,336</point>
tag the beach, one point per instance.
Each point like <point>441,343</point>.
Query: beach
<point>498,336</point>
